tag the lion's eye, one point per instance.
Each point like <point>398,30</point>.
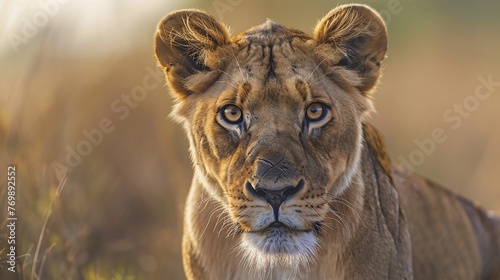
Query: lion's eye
<point>316,111</point>
<point>232,114</point>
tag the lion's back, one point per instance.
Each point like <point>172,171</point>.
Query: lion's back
<point>451,237</point>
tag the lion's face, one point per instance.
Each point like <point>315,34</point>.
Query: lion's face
<point>275,148</point>
<point>274,120</point>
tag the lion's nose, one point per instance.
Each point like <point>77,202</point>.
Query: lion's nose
<point>274,197</point>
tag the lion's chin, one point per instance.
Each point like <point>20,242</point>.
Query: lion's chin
<point>281,247</point>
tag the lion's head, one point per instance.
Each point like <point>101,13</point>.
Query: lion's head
<point>274,119</point>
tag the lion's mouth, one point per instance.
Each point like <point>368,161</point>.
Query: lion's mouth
<point>281,227</point>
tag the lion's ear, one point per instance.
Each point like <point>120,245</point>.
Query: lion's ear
<point>359,35</point>
<point>185,42</point>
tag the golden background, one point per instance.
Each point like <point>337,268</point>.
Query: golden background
<point>71,68</point>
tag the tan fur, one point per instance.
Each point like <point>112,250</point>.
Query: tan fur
<point>278,195</point>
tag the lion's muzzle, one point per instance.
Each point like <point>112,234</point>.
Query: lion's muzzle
<point>275,197</point>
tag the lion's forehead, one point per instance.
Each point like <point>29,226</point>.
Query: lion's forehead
<point>273,59</point>
<point>272,51</point>
<point>272,72</point>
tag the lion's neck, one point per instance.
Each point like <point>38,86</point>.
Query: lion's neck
<point>346,210</point>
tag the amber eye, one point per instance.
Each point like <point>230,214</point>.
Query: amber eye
<point>232,114</point>
<point>316,111</point>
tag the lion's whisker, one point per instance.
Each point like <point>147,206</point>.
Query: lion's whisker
<point>312,72</point>
<point>230,76</point>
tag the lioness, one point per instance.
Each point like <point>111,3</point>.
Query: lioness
<point>290,181</point>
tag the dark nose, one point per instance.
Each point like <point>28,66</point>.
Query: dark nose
<point>274,197</point>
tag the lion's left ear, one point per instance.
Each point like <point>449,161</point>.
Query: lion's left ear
<point>185,46</point>
<point>359,35</point>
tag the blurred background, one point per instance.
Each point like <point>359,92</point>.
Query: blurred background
<point>80,91</point>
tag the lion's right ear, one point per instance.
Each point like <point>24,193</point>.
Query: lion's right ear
<point>358,33</point>
<point>185,42</point>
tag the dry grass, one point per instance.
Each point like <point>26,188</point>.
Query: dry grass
<point>119,214</point>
